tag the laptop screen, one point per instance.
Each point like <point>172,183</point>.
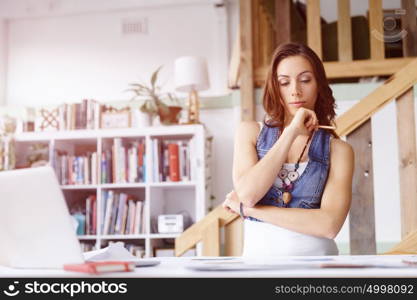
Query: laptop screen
<point>36,229</point>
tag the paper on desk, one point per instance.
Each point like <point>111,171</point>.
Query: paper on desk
<point>300,263</point>
<point>368,261</point>
<point>215,258</point>
<point>114,251</point>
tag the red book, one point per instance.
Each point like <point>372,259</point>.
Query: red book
<point>101,267</point>
<point>141,152</point>
<point>174,169</point>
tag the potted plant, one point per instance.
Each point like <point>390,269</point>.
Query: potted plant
<point>172,114</point>
<point>152,100</point>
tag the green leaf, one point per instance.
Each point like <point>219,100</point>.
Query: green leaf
<point>141,86</point>
<point>154,76</point>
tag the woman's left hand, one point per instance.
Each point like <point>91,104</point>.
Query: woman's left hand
<point>232,203</point>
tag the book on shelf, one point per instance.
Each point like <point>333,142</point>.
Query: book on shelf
<point>124,218</point>
<point>123,164</point>
<point>88,216</point>
<point>101,267</point>
<point>94,216</point>
<point>120,211</point>
<point>106,216</point>
<point>86,246</point>
<point>106,166</point>
<point>136,250</point>
<point>130,219</point>
<point>7,153</point>
<point>90,212</point>
<point>138,226</point>
<point>113,213</point>
<point>84,115</point>
<point>123,214</point>
<point>155,160</point>
<point>184,158</point>
<point>71,169</point>
<point>173,162</point>
<point>94,169</point>
<point>104,197</point>
<point>84,211</point>
<point>170,160</point>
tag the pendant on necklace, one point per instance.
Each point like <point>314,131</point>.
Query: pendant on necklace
<point>286,197</point>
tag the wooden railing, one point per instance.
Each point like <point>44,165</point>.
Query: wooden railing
<point>356,125</point>
<point>248,69</point>
<point>207,231</point>
<point>259,34</point>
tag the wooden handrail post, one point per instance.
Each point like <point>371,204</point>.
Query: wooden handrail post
<point>409,26</point>
<point>376,30</point>
<point>344,31</point>
<point>314,26</point>
<point>246,62</point>
<point>234,67</point>
<point>283,21</point>
<point>406,128</point>
<point>362,211</point>
<point>211,239</point>
<point>234,238</point>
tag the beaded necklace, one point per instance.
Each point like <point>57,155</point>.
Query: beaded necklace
<point>292,176</point>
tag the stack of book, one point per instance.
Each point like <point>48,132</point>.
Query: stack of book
<point>170,160</point>
<point>138,251</point>
<point>85,212</point>
<point>124,164</point>
<point>121,214</point>
<point>86,246</point>
<point>6,154</point>
<point>84,115</point>
<point>71,169</point>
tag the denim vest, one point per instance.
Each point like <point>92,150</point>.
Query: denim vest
<point>308,188</point>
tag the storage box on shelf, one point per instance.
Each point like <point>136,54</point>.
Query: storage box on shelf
<point>117,182</point>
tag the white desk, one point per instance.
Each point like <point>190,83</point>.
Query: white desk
<point>172,267</point>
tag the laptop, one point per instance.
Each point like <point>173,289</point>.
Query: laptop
<point>36,229</point>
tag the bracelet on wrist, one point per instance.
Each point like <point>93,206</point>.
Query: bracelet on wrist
<point>242,215</point>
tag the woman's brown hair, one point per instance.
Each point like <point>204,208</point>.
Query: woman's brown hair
<point>274,105</point>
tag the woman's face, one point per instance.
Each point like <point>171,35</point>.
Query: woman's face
<point>297,83</point>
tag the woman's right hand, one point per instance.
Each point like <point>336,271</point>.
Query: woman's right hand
<point>304,121</point>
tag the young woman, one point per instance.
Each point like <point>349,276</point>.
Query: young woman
<point>292,180</point>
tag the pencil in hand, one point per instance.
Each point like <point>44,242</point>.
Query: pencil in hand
<point>327,127</point>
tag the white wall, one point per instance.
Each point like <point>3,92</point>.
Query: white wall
<point>66,58</point>
<point>3,60</point>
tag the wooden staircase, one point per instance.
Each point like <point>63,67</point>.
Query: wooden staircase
<point>362,220</point>
<point>247,71</point>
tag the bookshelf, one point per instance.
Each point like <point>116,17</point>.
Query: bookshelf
<point>80,154</point>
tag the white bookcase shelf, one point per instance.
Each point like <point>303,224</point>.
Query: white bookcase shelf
<point>186,197</point>
<point>122,185</point>
<point>79,187</point>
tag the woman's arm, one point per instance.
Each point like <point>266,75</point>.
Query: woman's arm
<point>329,218</point>
<point>253,178</point>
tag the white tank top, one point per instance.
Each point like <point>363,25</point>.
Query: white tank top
<point>263,239</point>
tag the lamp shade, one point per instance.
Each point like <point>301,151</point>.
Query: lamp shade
<point>191,74</point>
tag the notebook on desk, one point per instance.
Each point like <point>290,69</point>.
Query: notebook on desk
<point>36,229</point>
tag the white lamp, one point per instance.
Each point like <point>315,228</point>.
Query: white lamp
<point>191,75</point>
